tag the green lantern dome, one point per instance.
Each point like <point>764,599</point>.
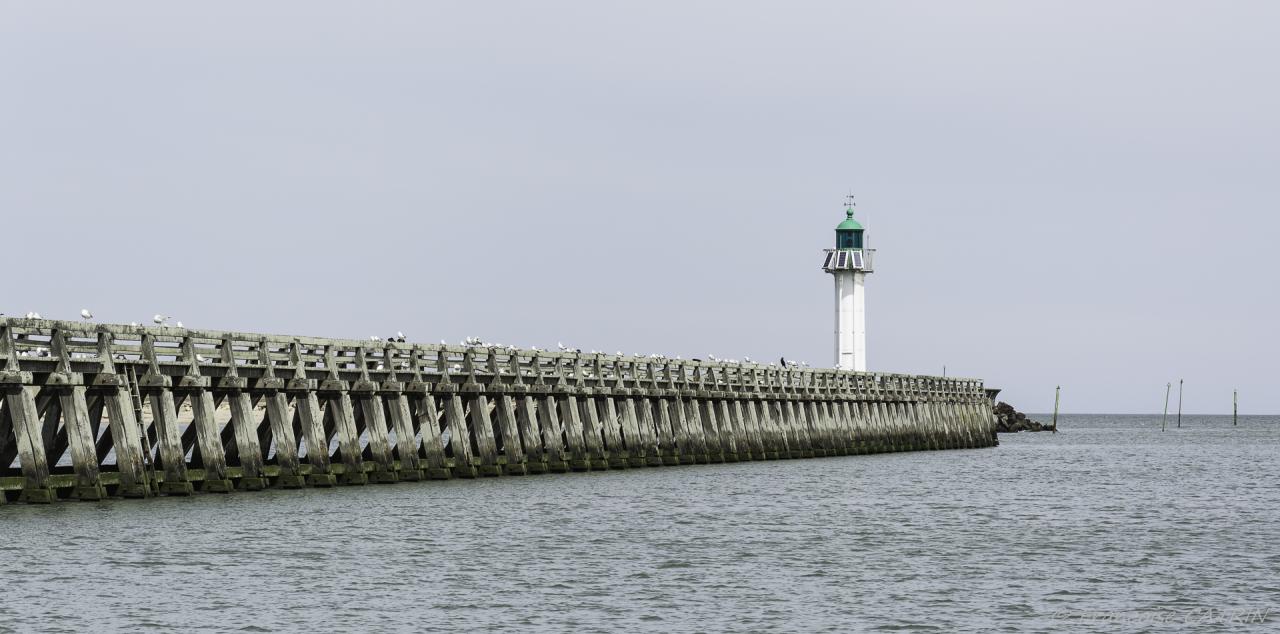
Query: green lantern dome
<point>849,233</point>
<point>849,223</point>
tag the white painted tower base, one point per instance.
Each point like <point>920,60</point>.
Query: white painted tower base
<point>851,320</point>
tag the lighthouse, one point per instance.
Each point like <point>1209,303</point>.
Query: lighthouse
<point>849,263</point>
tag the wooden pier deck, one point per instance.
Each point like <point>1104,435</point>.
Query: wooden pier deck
<point>93,411</point>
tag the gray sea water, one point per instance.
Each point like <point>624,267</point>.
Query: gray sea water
<point>1109,525</point>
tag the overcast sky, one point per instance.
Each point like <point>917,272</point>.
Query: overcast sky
<point>1074,193</point>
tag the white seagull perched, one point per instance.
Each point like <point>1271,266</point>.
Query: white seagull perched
<point>561,346</point>
<point>179,323</point>
<point>375,338</point>
<point>85,314</point>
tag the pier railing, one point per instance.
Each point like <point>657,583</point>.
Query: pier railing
<point>90,411</point>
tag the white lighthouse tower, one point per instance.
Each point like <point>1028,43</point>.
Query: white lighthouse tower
<point>849,263</point>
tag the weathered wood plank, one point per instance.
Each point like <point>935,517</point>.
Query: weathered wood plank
<point>244,425</point>
<point>530,435</point>
<point>379,440</point>
<point>286,443</point>
<point>164,415</point>
<point>591,433</point>
<point>459,436</point>
<point>428,419</point>
<point>570,418</point>
<point>209,442</point>
<point>127,444</point>
<point>619,454</point>
<point>344,422</point>
<point>27,429</point>
<point>553,436</point>
<point>512,450</point>
<point>407,445</point>
<point>84,458</point>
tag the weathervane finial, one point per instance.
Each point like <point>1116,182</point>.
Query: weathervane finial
<point>849,204</point>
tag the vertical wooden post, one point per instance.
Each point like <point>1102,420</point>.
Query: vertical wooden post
<point>31,456</point>
<point>512,451</point>
<point>127,445</point>
<point>84,459</point>
<point>553,432</point>
<point>286,443</point>
<point>672,441</point>
<point>432,444</point>
<point>1057,395</point>
<point>459,436</point>
<point>1179,403</point>
<point>344,415</point>
<point>406,441</point>
<point>165,417</point>
<point>245,426</point>
<point>1164,419</point>
<point>212,453</point>
<point>1235,407</point>
<point>535,456</point>
<point>375,424</point>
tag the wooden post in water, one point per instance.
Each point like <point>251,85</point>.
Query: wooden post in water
<point>1179,403</point>
<point>1057,397</point>
<point>1165,418</point>
<point>1235,407</point>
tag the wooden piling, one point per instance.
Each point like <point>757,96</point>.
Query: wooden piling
<point>1057,396</point>
<point>1179,403</point>
<point>1164,419</point>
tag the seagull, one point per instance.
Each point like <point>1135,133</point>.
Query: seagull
<point>159,319</point>
<point>133,324</point>
<point>712,357</point>
<point>443,342</point>
<point>561,346</point>
<point>85,314</point>
<point>375,338</point>
<point>199,358</point>
<point>747,359</point>
<point>400,335</point>
<point>179,324</point>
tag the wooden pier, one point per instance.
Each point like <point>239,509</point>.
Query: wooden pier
<point>94,411</point>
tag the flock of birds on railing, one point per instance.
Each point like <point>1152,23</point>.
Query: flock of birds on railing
<point>469,342</point>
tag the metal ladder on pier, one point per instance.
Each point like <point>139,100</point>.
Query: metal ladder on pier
<point>149,464</point>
